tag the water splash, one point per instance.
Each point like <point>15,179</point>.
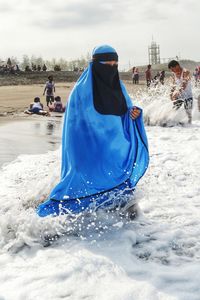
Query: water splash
<point>158,108</point>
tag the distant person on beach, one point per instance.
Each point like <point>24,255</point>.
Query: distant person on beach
<point>49,90</point>
<point>57,106</point>
<point>155,80</point>
<point>136,76</point>
<point>181,92</point>
<point>27,69</point>
<point>36,108</point>
<point>196,75</point>
<point>162,77</point>
<point>17,69</point>
<point>44,68</point>
<point>198,101</point>
<point>33,67</point>
<point>148,75</point>
<point>133,72</point>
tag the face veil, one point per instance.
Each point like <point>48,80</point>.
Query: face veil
<point>107,93</point>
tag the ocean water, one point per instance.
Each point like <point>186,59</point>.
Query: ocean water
<point>104,255</point>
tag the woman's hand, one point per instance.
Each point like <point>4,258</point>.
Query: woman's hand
<point>134,113</point>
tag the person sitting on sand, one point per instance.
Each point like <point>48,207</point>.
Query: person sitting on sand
<point>36,108</point>
<point>57,106</point>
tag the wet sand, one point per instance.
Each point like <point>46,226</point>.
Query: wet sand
<point>35,136</point>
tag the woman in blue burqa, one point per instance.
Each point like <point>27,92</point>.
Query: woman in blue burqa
<point>104,144</point>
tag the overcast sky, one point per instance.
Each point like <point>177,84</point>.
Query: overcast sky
<point>71,28</point>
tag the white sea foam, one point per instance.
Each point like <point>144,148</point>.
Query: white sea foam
<point>158,108</point>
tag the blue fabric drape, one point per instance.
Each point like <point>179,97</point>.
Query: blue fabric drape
<point>100,153</point>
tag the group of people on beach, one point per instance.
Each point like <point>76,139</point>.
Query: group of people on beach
<point>153,81</point>
<point>9,69</point>
<point>150,80</point>
<point>54,104</point>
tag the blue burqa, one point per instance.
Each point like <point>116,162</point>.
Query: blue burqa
<point>103,156</point>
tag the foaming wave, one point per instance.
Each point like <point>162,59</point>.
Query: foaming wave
<point>158,108</point>
<point>26,182</point>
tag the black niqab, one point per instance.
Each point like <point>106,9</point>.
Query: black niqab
<point>107,93</point>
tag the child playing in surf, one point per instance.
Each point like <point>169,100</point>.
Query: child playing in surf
<point>36,108</point>
<point>181,92</point>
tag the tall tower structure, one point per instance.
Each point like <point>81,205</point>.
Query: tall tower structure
<point>154,53</point>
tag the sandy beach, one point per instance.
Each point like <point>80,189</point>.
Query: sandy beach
<point>15,99</point>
